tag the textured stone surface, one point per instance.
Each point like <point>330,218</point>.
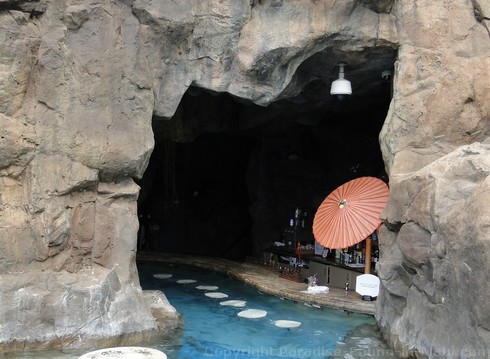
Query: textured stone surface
<point>80,82</point>
<point>434,253</point>
<point>433,270</point>
<point>75,131</point>
<point>40,310</point>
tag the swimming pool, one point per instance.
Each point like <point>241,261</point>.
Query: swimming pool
<point>214,330</point>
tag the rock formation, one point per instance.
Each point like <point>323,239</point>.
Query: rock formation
<point>434,264</point>
<point>81,82</point>
<point>436,147</point>
<point>76,111</point>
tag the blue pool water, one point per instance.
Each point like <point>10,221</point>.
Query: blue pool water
<point>212,330</point>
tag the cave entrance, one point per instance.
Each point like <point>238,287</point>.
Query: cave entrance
<point>226,175</point>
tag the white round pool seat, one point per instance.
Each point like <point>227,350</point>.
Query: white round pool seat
<point>125,353</point>
<point>217,295</point>
<point>234,303</point>
<point>287,324</point>
<point>252,313</point>
<point>162,276</point>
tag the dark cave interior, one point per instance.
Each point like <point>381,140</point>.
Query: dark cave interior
<point>226,175</point>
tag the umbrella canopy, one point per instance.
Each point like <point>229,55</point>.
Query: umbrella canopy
<point>350,213</point>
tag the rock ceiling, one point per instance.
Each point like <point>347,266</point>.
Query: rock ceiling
<point>306,100</point>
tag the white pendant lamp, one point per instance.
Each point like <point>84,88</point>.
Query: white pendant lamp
<point>341,87</point>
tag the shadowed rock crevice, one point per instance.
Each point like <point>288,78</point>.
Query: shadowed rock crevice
<point>481,15</point>
<point>33,7</point>
<point>384,6</point>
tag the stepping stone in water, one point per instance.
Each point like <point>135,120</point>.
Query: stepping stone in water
<point>162,276</point>
<point>252,313</point>
<point>186,281</point>
<point>234,303</point>
<point>207,287</point>
<point>287,324</point>
<point>125,353</point>
<point>216,295</point>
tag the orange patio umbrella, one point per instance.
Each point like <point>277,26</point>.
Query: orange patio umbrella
<point>350,213</point>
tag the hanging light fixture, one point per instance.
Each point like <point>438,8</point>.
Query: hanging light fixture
<point>341,87</point>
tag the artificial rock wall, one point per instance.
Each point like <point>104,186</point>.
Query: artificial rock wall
<point>75,112</point>
<point>435,245</point>
<point>80,82</point>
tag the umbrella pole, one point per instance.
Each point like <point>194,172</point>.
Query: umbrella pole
<point>367,261</point>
